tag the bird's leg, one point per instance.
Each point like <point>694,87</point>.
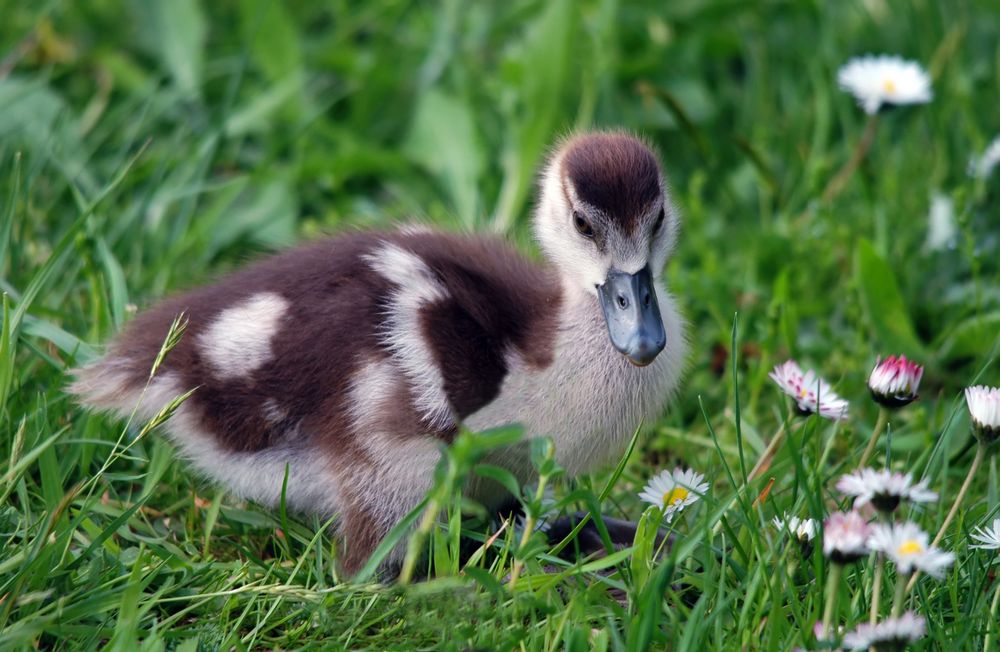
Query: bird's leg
<point>588,541</point>
<point>359,536</point>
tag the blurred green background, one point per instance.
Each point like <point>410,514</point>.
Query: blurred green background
<point>147,146</point>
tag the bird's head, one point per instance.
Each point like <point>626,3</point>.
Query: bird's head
<point>605,220</point>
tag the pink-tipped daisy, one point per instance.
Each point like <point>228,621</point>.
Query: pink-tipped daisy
<point>845,537</point>
<point>672,491</point>
<point>891,634</point>
<point>875,81</point>
<point>988,537</point>
<point>894,381</point>
<point>907,546</point>
<point>883,488</point>
<point>812,394</point>
<point>984,408</point>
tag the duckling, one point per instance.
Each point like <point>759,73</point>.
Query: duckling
<point>353,359</point>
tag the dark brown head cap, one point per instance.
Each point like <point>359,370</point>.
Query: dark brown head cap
<point>614,172</point>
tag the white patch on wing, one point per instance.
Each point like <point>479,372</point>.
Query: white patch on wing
<point>239,340</point>
<point>416,286</point>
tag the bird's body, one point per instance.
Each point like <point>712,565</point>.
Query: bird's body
<point>351,360</point>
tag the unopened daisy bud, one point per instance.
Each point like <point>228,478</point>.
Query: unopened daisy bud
<point>982,166</point>
<point>894,381</point>
<point>892,634</point>
<point>845,537</point>
<point>876,81</point>
<point>984,408</point>
<point>812,394</point>
<point>908,548</point>
<point>884,489</point>
<point>672,491</point>
<point>988,537</point>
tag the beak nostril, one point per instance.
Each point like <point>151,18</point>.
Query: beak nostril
<point>645,299</point>
<point>622,302</point>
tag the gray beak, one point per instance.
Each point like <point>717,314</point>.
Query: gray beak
<point>633,315</point>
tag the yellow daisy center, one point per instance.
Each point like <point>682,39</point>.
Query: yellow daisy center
<point>889,86</point>
<point>910,547</point>
<point>803,393</point>
<point>675,496</point>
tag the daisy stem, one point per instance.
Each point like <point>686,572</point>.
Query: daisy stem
<point>832,591</point>
<point>877,588</point>
<point>765,458</point>
<point>845,173</point>
<point>900,597</point>
<point>417,540</point>
<point>529,528</point>
<point>883,419</point>
<point>976,462</point>
<point>988,642</point>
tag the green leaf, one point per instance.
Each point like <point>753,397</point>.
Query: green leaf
<point>116,281</point>
<point>272,38</point>
<point>179,29</point>
<point>971,338</point>
<point>883,303</point>
<point>500,475</point>
<point>443,139</point>
<point>66,342</point>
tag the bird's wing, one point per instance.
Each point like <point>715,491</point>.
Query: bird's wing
<point>460,310</point>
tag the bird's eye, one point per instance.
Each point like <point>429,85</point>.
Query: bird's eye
<point>583,227</point>
<point>659,219</point>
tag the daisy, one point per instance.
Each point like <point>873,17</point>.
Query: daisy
<point>877,80</point>
<point>672,491</point>
<point>894,381</point>
<point>983,166</point>
<point>891,634</point>
<point>942,230</point>
<point>988,538</point>
<point>803,529</point>
<point>812,394</point>
<point>984,407</point>
<point>907,546</point>
<point>883,488</point>
<point>845,537</point>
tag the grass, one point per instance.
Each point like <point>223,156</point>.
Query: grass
<point>149,146</point>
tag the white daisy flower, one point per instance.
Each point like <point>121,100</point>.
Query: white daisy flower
<point>907,546</point>
<point>984,408</point>
<point>883,488</point>
<point>672,491</point>
<point>803,529</point>
<point>894,381</point>
<point>891,634</point>
<point>983,166</point>
<point>845,537</point>
<point>877,80</point>
<point>988,538</point>
<point>812,394</point>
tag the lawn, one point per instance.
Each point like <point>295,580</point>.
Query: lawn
<point>148,146</point>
